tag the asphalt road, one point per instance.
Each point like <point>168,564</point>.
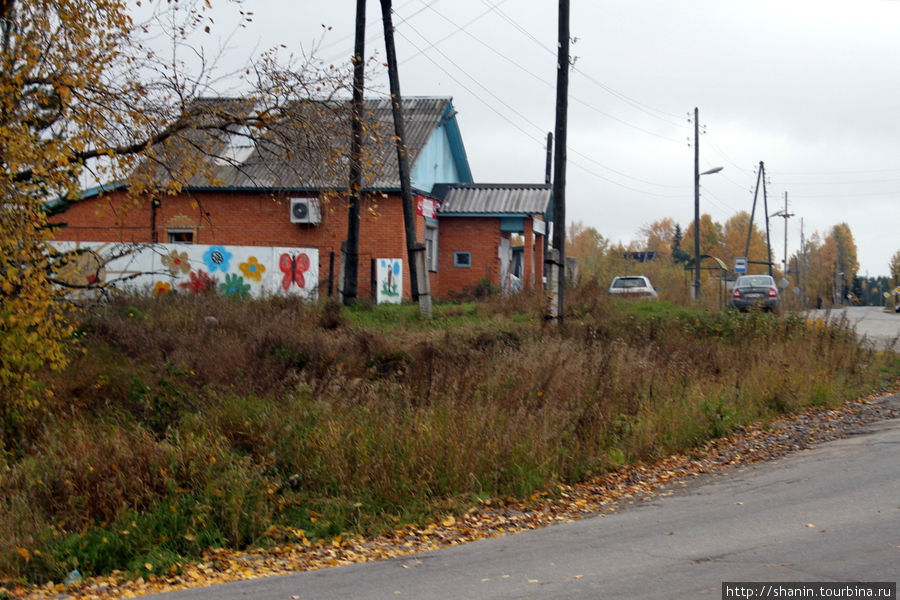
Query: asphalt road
<point>876,327</point>
<point>830,514</point>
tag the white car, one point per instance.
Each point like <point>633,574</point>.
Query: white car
<point>636,286</point>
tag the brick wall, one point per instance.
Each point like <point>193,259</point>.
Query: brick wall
<point>260,219</point>
<point>247,219</point>
<point>478,235</point>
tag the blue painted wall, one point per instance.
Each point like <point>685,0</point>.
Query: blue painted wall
<point>443,159</point>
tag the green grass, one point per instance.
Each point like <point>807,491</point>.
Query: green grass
<point>193,422</point>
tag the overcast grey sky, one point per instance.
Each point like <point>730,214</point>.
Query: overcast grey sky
<point>811,88</point>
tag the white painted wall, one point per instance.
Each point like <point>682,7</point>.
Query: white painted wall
<point>257,271</point>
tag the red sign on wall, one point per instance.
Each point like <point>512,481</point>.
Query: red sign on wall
<point>426,207</point>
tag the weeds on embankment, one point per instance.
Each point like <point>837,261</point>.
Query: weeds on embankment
<point>191,422</point>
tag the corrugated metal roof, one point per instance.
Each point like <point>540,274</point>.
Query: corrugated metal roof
<point>487,198</point>
<point>307,149</point>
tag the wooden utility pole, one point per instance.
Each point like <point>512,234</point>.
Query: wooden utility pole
<point>759,176</point>
<point>350,248</point>
<point>784,213</point>
<point>766,209</point>
<point>802,267</point>
<point>557,256</point>
<point>418,271</point>
<point>697,175</point>
<point>696,203</point>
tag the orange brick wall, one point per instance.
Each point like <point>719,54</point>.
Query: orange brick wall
<point>248,219</point>
<point>256,219</point>
<point>478,235</point>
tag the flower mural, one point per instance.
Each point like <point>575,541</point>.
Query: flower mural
<point>82,267</point>
<point>217,257</point>
<point>189,268</point>
<point>234,286</point>
<point>161,288</point>
<point>200,283</point>
<point>177,263</point>
<point>252,269</point>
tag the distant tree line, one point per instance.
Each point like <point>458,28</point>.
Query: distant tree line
<point>823,272</point>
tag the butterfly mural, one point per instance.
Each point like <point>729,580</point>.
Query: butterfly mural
<point>293,268</point>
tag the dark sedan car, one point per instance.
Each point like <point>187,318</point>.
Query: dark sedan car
<point>755,291</point>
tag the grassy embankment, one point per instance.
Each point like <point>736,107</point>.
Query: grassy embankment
<point>190,422</point>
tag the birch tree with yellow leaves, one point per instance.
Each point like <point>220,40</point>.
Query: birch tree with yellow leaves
<point>84,97</point>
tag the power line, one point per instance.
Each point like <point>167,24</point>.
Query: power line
<point>463,71</point>
<point>538,140</point>
<point>530,73</point>
<point>624,98</point>
<point>638,179</point>
<point>374,38</point>
<point>494,7</point>
<point>847,195</point>
<point>616,183</point>
<point>845,182</point>
<point>711,141</point>
<point>829,172</point>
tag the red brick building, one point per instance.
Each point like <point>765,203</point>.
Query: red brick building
<point>477,225</point>
<point>253,196</point>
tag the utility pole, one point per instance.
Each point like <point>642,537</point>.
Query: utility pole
<point>557,256</point>
<point>784,213</point>
<point>766,212</point>
<point>697,175</point>
<point>802,267</point>
<point>696,203</point>
<point>548,178</point>
<point>759,175</point>
<point>350,248</point>
<point>418,272</point>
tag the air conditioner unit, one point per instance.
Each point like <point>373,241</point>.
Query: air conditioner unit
<point>305,210</point>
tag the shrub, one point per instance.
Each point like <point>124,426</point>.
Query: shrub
<point>196,421</point>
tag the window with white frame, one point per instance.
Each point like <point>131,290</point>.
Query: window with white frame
<point>180,236</point>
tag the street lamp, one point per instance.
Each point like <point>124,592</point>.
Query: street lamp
<point>697,175</point>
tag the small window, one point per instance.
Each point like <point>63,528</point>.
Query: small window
<point>181,236</point>
<point>462,259</point>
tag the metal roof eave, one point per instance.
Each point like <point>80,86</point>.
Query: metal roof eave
<point>97,190</point>
<point>457,148</point>
<point>492,214</point>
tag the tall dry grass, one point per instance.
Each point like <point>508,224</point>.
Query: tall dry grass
<point>191,422</point>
